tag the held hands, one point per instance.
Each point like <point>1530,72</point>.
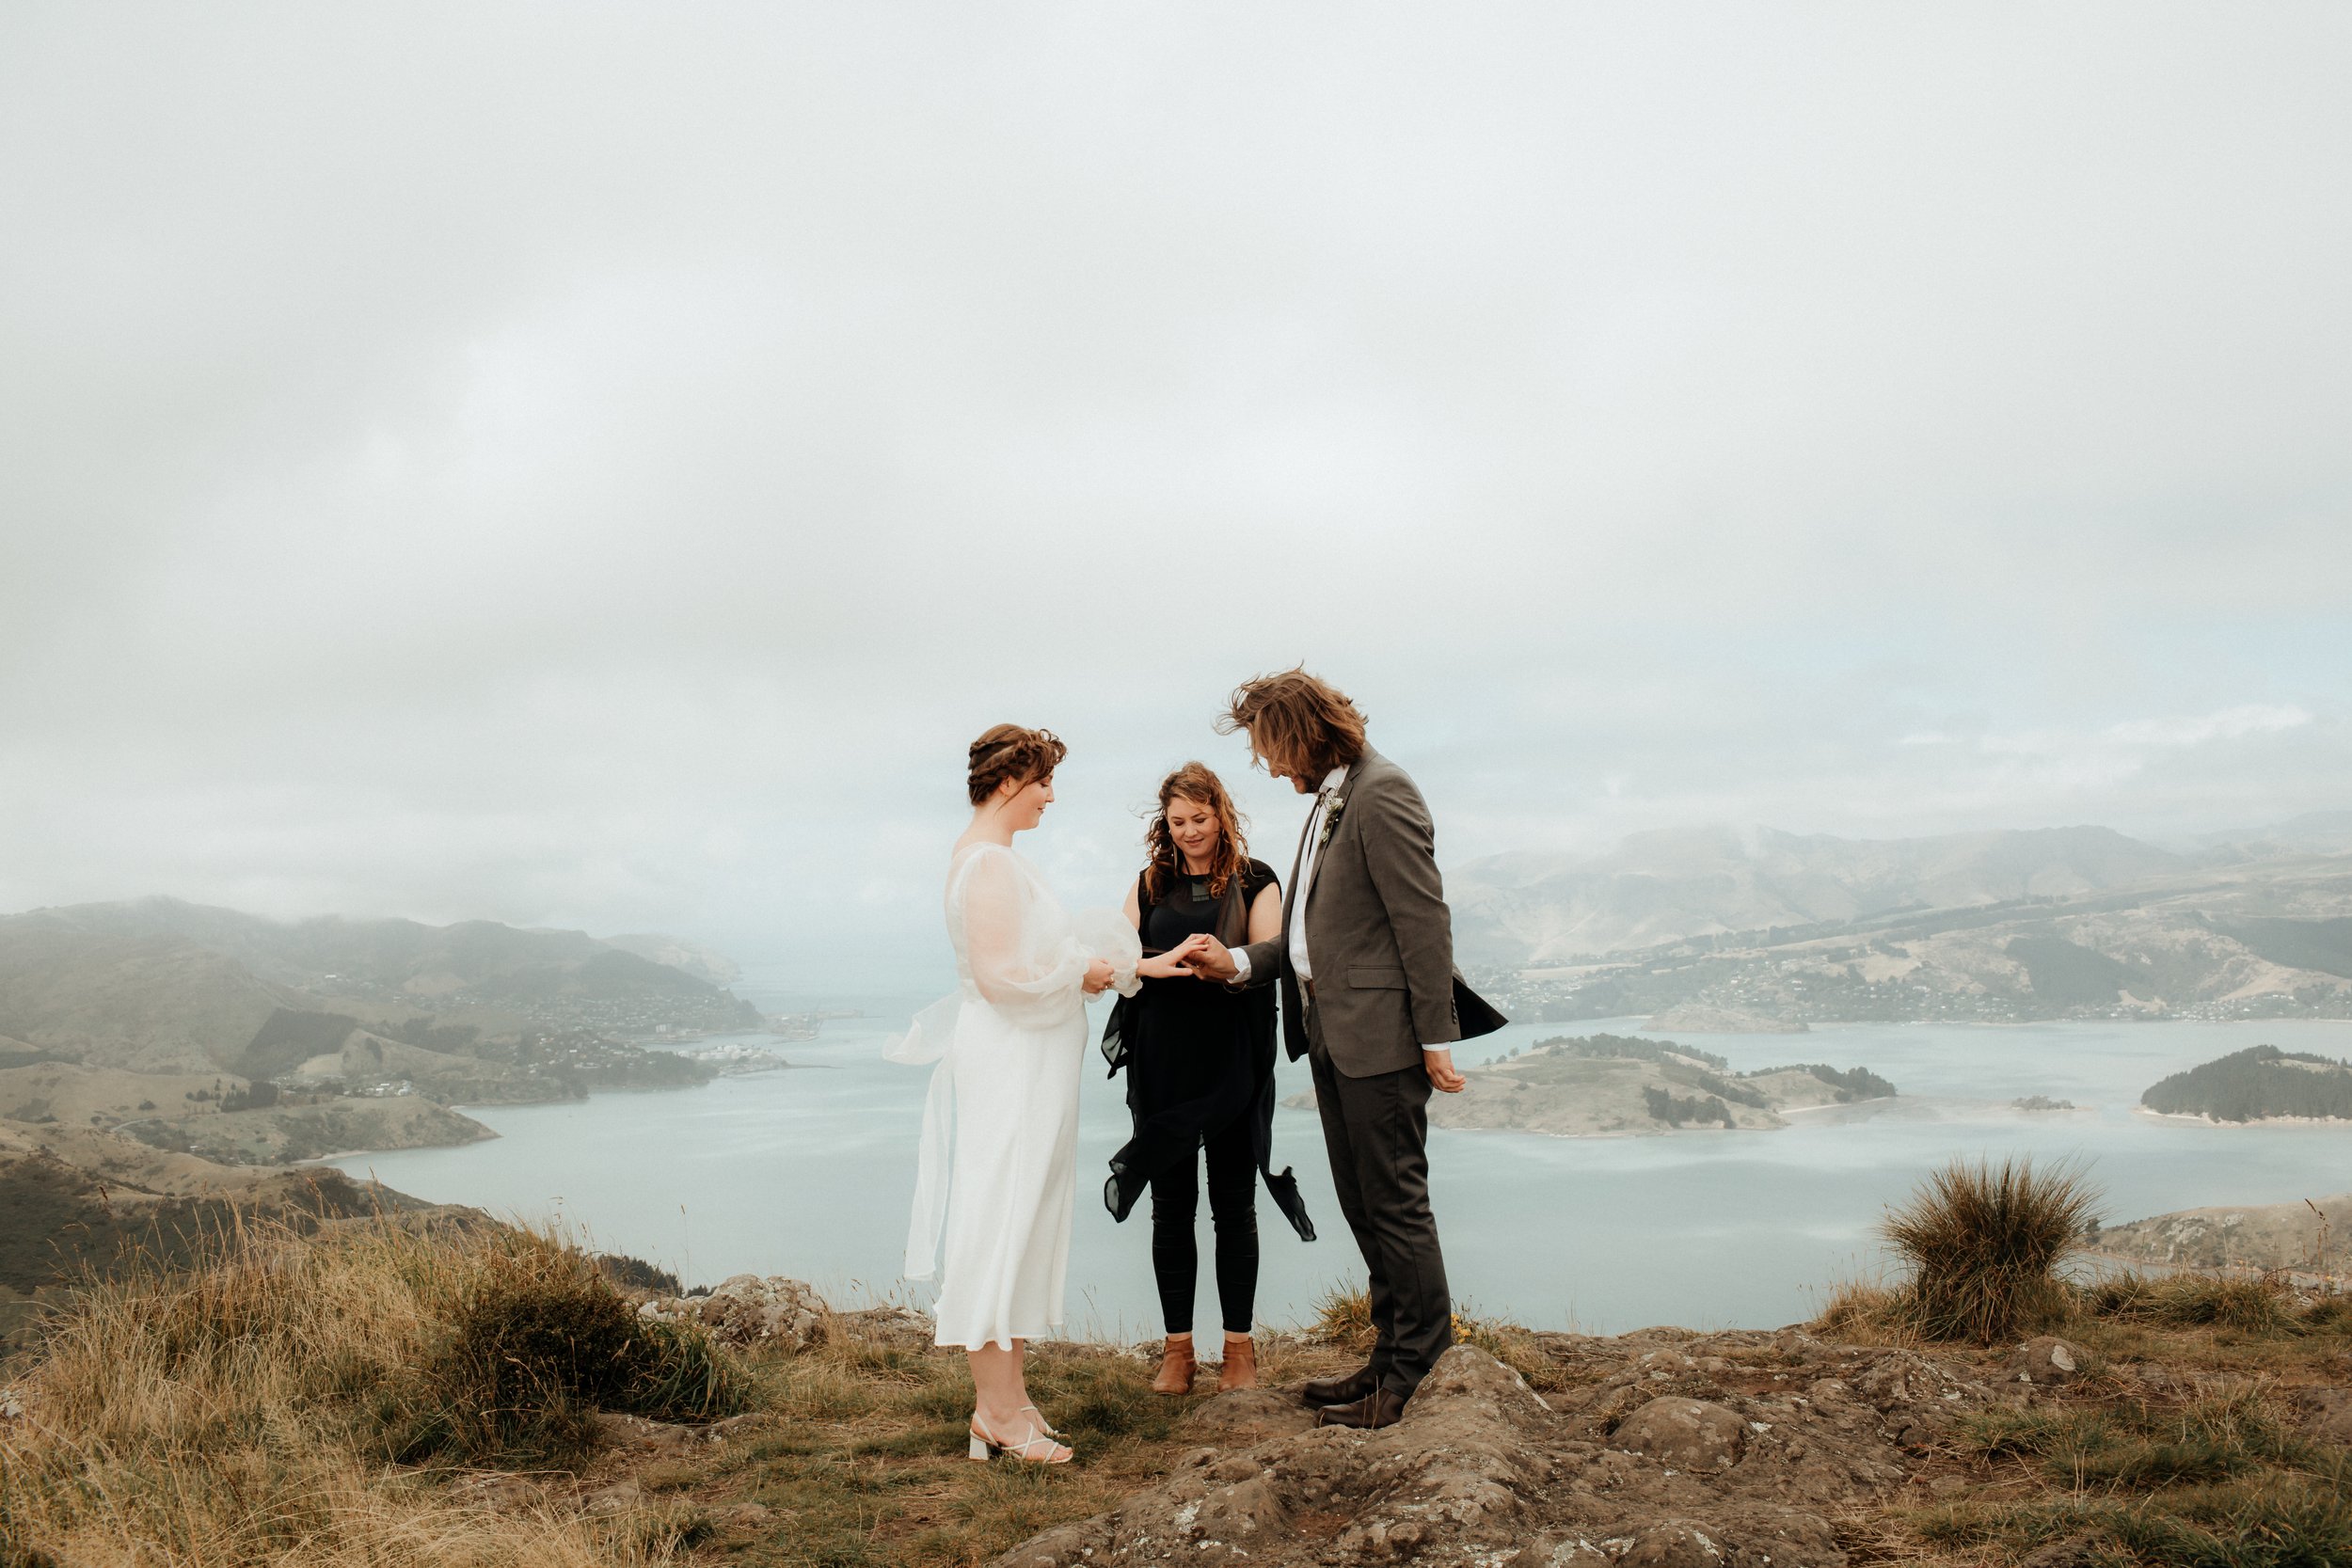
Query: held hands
<point>1211,959</point>
<point>1175,961</point>
<point>1443,1076</point>
<point>1098,977</point>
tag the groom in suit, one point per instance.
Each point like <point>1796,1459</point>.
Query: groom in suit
<point>1370,997</point>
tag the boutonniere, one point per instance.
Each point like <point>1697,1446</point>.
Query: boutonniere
<point>1337,804</point>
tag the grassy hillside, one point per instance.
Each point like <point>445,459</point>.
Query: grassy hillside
<point>378,1394</point>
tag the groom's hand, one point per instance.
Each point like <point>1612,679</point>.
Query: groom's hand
<point>1213,960</point>
<point>1443,1076</point>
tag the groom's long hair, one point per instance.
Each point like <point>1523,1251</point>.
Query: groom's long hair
<point>1194,781</point>
<point>1297,721</point>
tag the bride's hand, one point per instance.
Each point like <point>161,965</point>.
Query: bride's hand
<point>1099,976</point>
<point>1176,963</point>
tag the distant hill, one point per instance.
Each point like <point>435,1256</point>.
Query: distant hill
<point>2309,1235</point>
<point>479,959</point>
<point>1973,928</point>
<point>164,986</point>
<point>2259,1084</point>
<point>111,997</point>
<point>1528,909</point>
<point>2319,832</point>
<point>212,1032</point>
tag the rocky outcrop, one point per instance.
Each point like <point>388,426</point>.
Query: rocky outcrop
<point>1667,1450</point>
<point>745,1309</point>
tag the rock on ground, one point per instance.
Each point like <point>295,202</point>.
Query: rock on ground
<point>745,1309</point>
<point>1672,1450</point>
<point>2045,1362</point>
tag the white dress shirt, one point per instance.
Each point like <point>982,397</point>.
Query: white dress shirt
<point>1300,966</point>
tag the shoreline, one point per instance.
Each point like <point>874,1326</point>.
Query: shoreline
<point>2200,1118</point>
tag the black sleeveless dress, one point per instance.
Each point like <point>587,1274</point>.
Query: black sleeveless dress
<point>1199,1056</point>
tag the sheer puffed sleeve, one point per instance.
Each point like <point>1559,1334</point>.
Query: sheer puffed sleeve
<point>1104,934</point>
<point>1025,960</point>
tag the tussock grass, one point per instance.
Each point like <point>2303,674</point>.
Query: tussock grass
<point>245,1412</point>
<point>2264,1305</point>
<point>1984,1242</point>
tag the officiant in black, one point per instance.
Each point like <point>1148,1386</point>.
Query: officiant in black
<point>1200,1063</point>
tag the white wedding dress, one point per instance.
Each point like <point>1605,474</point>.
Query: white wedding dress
<point>997,1178</point>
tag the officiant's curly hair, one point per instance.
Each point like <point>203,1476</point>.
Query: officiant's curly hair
<point>1011,752</point>
<point>1195,781</point>
<point>1296,721</point>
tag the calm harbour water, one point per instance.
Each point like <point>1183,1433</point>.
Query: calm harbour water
<point>809,1173</point>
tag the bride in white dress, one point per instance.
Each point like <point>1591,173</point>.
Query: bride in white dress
<point>998,1173</point>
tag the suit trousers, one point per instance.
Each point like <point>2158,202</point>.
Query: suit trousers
<point>1377,1131</point>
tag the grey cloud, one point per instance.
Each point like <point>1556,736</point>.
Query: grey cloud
<point>598,467</point>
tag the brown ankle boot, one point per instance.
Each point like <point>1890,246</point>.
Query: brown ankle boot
<point>1241,1366</point>
<point>1176,1366</point>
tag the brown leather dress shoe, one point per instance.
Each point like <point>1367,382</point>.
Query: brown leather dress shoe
<point>1380,1408</point>
<point>1339,1390</point>
<point>1241,1366</point>
<point>1176,1366</point>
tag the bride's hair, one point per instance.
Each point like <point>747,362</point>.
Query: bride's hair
<point>1295,721</point>
<point>1011,752</point>
<point>1194,781</point>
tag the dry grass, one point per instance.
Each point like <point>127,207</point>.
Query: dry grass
<point>1342,1322</point>
<point>245,1413</point>
<point>867,1454</point>
<point>2180,1446</point>
<point>1864,1312</point>
<point>334,1401</point>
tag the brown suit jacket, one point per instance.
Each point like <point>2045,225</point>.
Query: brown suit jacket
<point>1379,937</point>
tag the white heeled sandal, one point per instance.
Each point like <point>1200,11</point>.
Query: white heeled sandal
<point>987,1445</point>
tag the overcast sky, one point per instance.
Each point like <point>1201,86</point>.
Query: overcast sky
<point>598,465</point>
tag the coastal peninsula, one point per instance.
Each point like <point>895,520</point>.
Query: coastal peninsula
<point>1600,1086</point>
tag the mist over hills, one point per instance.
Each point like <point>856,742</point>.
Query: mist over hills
<point>1675,883</point>
<point>480,960</point>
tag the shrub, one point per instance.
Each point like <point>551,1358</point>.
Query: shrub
<point>1984,1244</point>
<point>537,1340</point>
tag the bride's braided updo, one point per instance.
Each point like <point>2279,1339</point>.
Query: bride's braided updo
<point>1011,752</point>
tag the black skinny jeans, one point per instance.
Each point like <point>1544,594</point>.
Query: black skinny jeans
<point>1233,1208</point>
